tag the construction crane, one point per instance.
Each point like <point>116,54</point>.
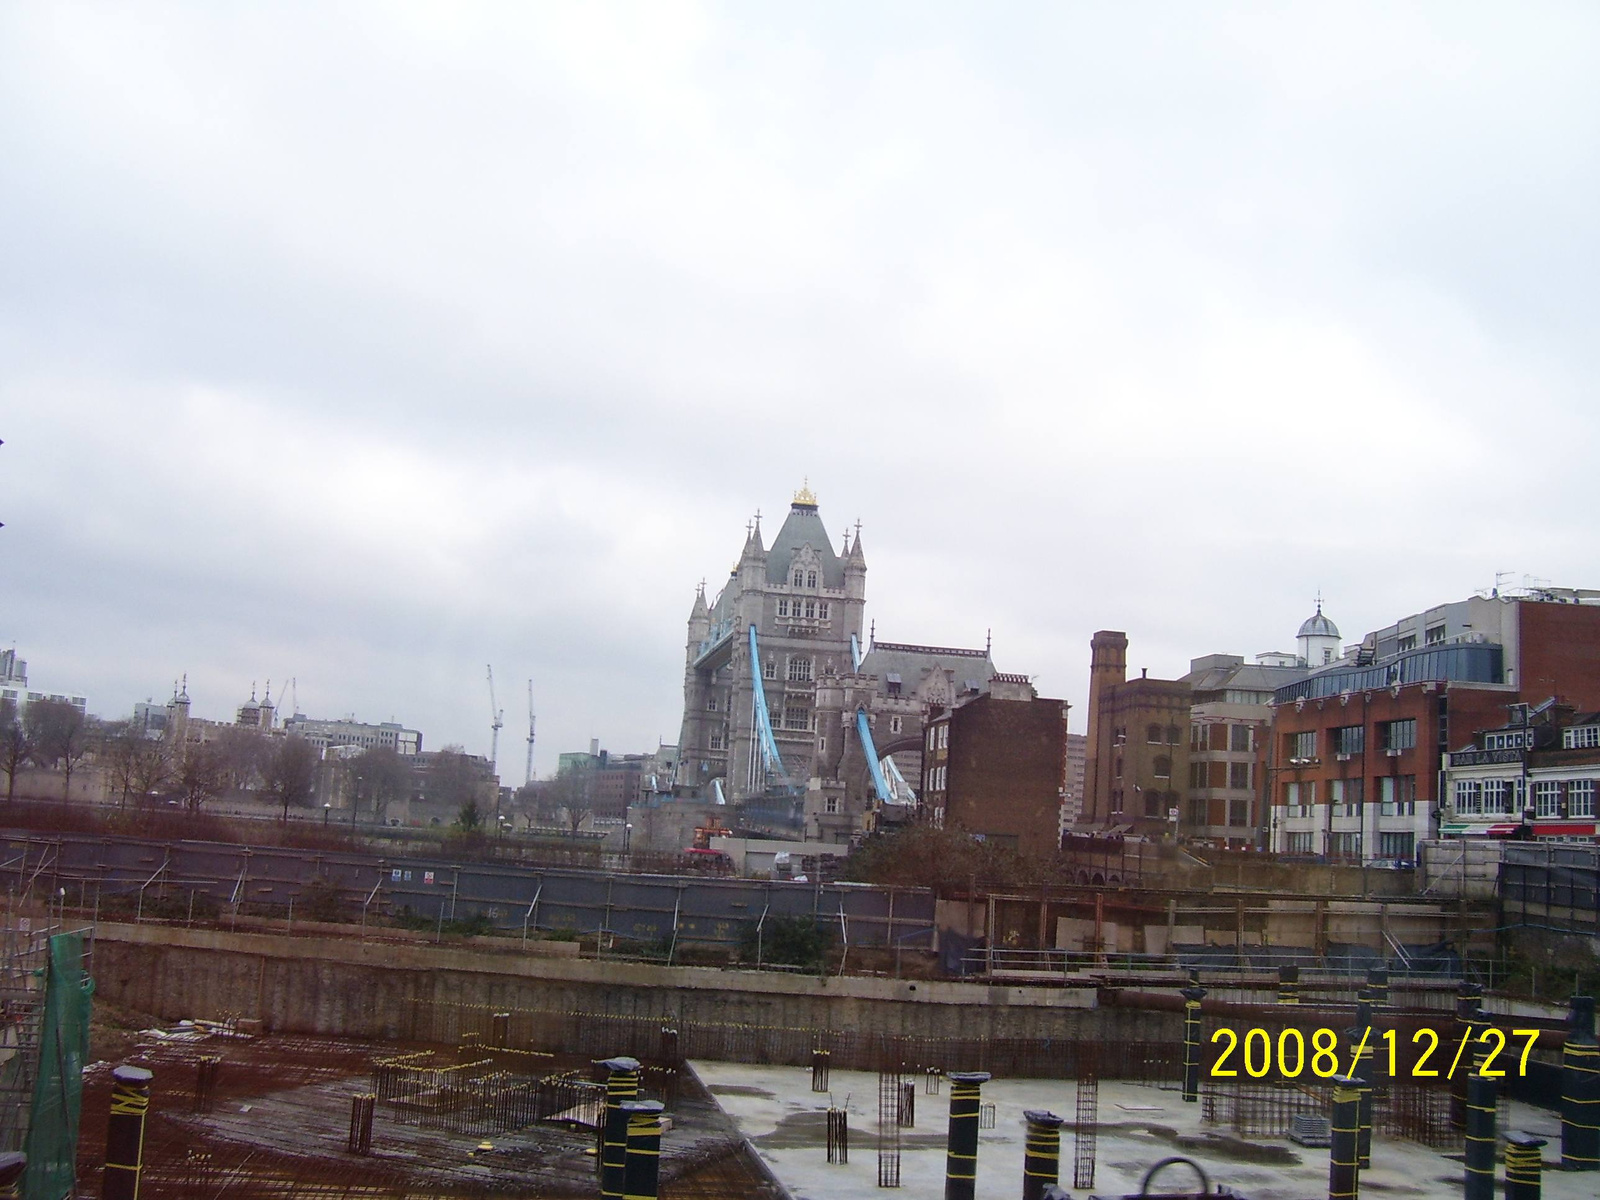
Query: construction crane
<point>529,774</point>
<point>495,713</point>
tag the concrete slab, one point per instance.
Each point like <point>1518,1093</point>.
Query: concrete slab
<point>785,1122</point>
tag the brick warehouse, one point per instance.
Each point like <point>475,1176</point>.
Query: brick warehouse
<point>995,765</point>
<point>1356,757</point>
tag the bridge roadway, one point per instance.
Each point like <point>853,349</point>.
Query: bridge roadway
<point>118,872</point>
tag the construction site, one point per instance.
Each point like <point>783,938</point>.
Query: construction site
<point>269,1054</point>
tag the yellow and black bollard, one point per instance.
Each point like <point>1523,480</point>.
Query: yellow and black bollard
<point>1289,985</point>
<point>1580,1090</point>
<point>1191,1042</point>
<point>1524,1166</point>
<point>1480,1135</point>
<point>1344,1164</point>
<point>622,1085</point>
<point>1361,1039</point>
<point>642,1164</point>
<point>1378,985</point>
<point>130,1103</point>
<point>1041,1155</point>
<point>961,1150</point>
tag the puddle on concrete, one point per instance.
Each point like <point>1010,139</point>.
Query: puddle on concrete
<point>802,1130</point>
<point>739,1089</point>
<point>1225,1146</point>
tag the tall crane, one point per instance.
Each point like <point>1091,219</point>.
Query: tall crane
<point>529,775</point>
<point>495,713</point>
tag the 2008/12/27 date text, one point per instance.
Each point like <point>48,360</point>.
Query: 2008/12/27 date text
<point>1259,1053</point>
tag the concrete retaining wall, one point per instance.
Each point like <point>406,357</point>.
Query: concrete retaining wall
<point>346,987</point>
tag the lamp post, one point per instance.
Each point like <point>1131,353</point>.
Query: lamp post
<point>627,836</point>
<point>327,810</point>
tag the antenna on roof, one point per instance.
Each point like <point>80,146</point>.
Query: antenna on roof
<point>988,640</point>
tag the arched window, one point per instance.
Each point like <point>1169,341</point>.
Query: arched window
<point>1153,734</point>
<point>798,576</point>
<point>811,579</point>
<point>1162,767</point>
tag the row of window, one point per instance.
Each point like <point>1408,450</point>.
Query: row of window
<point>1397,796</point>
<point>1505,797</point>
<point>817,609</point>
<point>1348,845</point>
<point>1238,813</point>
<point>1582,737</point>
<point>1352,739</point>
<point>804,578</point>
<point>938,736</point>
<point>798,669</point>
<point>1236,775</point>
<point>1239,738</point>
<point>936,779</point>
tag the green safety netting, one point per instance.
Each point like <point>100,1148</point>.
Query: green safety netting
<point>52,1144</point>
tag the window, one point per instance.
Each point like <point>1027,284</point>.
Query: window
<point>1174,735</point>
<point>1504,741</point>
<point>1350,739</point>
<point>716,739</point>
<point>711,704</point>
<point>1580,798</point>
<point>1303,745</point>
<point>1397,735</point>
<point>822,610</point>
<point>941,778</point>
<point>1346,795</point>
<point>1197,737</point>
<point>1152,734</point>
<point>894,724</point>
<point>1239,739</point>
<point>1239,773</point>
<point>783,607</point>
<point>1409,642</point>
<point>1198,814</point>
<point>811,579</point>
<point>1299,797</point>
<point>1469,796</point>
<point>832,804</point>
<point>944,736</point>
<point>1396,845</point>
<point>1238,812</point>
<point>1502,795</point>
<point>1398,795</point>
<point>1433,635</point>
<point>1299,843</point>
<point>1152,804</point>
<point>1162,767</point>
<point>811,609</point>
<point>795,717</point>
<point>933,733</point>
<point>769,669</point>
<point>799,577</point>
<point>1584,737</point>
<point>1345,845</point>
<point>799,669</point>
<point>822,745</point>
<point>1547,798</point>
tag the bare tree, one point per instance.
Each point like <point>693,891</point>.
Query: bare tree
<point>245,753</point>
<point>377,778</point>
<point>203,775</point>
<point>16,747</point>
<point>291,773</point>
<point>568,798</point>
<point>60,736</point>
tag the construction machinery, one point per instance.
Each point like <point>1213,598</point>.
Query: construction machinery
<point>496,713</point>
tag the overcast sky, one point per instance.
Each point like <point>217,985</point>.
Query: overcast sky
<point>369,345</point>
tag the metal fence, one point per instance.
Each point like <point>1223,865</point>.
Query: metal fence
<point>1551,884</point>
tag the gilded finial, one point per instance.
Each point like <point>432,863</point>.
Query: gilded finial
<point>805,495</point>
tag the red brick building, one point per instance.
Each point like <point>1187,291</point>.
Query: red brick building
<point>996,766</point>
<point>1137,767</point>
<point>1356,758</point>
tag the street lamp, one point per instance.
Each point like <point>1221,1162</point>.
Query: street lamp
<point>627,836</point>
<point>327,810</point>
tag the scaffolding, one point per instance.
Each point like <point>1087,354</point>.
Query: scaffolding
<point>890,1095</point>
<point>1086,1130</point>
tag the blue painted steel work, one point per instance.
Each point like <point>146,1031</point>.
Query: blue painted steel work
<point>879,783</point>
<point>855,653</point>
<point>769,744</point>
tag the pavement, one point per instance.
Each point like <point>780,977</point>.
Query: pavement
<point>785,1122</point>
